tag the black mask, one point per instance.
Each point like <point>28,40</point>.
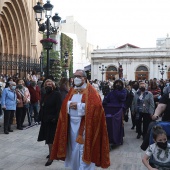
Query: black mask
<point>135,87</point>
<point>48,89</point>
<point>19,86</point>
<point>142,89</point>
<point>33,84</point>
<point>162,145</point>
<point>119,87</point>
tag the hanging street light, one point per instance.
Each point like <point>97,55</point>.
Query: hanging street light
<point>46,27</point>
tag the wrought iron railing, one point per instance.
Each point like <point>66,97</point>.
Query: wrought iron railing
<point>12,64</point>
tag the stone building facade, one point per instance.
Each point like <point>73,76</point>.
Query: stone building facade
<point>81,48</point>
<point>137,63</point>
<point>20,45</point>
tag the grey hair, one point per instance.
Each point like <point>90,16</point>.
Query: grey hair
<point>84,73</point>
<point>11,83</point>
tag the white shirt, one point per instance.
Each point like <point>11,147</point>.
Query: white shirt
<point>74,149</point>
<point>159,154</point>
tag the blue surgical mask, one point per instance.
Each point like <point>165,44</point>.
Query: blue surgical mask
<point>13,87</point>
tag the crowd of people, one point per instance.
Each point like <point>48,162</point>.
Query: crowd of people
<point>148,102</point>
<point>65,112</point>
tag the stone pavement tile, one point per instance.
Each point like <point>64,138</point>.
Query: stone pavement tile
<point>11,166</point>
<point>26,153</point>
<point>40,165</point>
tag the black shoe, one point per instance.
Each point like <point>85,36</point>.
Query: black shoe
<point>48,156</point>
<point>49,162</point>
<point>10,130</point>
<point>6,132</point>
<point>19,128</point>
<point>138,136</point>
<point>133,127</point>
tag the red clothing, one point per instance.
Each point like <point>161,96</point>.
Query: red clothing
<point>96,143</point>
<point>35,94</point>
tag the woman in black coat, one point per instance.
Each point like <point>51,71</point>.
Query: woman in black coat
<point>49,109</point>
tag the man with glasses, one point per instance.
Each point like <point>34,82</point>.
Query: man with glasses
<point>81,136</point>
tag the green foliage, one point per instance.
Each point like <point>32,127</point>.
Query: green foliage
<point>55,69</point>
<point>67,45</point>
<point>53,55</point>
<point>55,64</point>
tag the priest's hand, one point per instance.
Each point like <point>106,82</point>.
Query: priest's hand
<point>73,105</point>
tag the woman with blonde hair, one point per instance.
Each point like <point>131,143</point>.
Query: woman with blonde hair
<point>23,96</point>
<point>49,107</point>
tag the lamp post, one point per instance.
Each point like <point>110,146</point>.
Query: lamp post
<point>46,28</point>
<point>41,63</point>
<point>162,69</point>
<point>102,69</point>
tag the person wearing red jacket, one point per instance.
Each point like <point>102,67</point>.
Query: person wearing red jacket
<point>35,99</point>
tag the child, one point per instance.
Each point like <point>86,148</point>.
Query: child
<point>160,150</point>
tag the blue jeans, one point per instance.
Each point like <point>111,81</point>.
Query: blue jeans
<point>34,108</point>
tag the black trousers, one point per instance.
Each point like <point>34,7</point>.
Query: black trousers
<point>145,142</point>
<point>20,116</point>
<point>133,118</point>
<point>0,110</point>
<point>8,119</point>
<point>146,119</point>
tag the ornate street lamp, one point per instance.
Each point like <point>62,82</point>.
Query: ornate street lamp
<point>46,28</point>
<point>162,69</point>
<point>102,69</point>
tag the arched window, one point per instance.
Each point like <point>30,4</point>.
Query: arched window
<point>111,68</point>
<point>142,68</point>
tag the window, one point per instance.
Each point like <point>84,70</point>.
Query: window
<point>111,68</point>
<point>142,68</point>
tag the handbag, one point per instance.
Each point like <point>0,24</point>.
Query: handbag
<point>14,121</point>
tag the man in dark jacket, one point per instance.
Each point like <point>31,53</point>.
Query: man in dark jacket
<point>129,100</point>
<point>35,99</point>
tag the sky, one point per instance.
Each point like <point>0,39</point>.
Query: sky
<point>112,23</point>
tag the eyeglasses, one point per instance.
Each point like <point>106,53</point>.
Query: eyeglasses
<point>78,76</point>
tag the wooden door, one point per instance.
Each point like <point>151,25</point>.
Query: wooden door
<point>110,75</point>
<point>168,75</point>
<point>141,75</point>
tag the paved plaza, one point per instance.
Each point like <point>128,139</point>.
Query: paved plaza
<point>20,151</point>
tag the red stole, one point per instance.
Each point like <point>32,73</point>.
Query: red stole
<point>96,144</point>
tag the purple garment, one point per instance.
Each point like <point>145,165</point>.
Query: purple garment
<point>116,98</point>
<point>114,124</point>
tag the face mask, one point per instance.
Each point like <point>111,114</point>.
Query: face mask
<point>162,145</point>
<point>19,86</point>
<point>33,84</point>
<point>119,87</point>
<point>77,81</point>
<point>48,89</point>
<point>135,87</point>
<point>142,89</point>
<point>13,87</point>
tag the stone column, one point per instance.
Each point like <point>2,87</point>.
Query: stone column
<point>151,69</point>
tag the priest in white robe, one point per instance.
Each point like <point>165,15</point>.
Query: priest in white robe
<point>81,137</point>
